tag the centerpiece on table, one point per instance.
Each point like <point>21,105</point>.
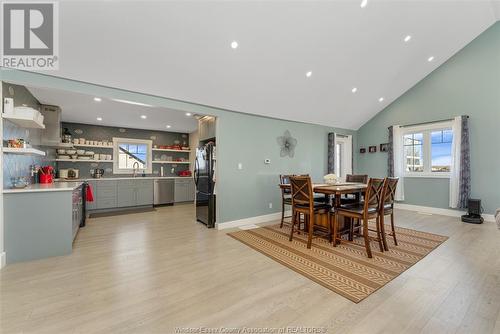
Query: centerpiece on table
<point>331,179</point>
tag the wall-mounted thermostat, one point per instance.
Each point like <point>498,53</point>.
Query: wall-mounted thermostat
<point>267,161</point>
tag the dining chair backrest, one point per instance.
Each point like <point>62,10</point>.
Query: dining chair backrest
<point>285,179</point>
<point>373,195</point>
<point>302,193</point>
<point>389,192</point>
<point>356,178</point>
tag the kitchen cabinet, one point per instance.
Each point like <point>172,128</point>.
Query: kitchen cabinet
<point>135,193</point>
<point>184,190</point>
<point>144,192</point>
<point>106,194</point>
<point>206,128</point>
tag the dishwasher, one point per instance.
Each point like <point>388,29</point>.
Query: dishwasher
<point>163,192</point>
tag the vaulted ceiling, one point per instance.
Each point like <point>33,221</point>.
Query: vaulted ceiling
<point>182,50</point>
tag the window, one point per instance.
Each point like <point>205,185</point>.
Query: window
<point>132,154</point>
<point>427,150</point>
<point>413,147</point>
<point>441,151</point>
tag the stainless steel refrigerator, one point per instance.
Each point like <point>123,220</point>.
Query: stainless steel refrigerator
<point>204,179</point>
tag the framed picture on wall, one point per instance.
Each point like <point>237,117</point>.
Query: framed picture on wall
<point>384,147</point>
<point>362,150</point>
<point>372,149</point>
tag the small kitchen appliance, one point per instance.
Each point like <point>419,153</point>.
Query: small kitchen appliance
<point>98,173</point>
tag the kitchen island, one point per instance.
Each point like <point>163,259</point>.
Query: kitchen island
<point>41,220</point>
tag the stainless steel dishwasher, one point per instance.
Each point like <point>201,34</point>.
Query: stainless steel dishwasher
<point>163,191</point>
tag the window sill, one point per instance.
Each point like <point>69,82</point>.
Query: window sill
<point>429,176</point>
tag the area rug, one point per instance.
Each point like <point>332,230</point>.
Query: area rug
<point>344,269</point>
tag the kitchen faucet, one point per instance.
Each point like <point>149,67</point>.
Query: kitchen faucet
<point>135,166</point>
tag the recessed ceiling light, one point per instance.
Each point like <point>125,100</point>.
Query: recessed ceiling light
<point>97,99</point>
<point>308,74</point>
<point>431,58</point>
<point>407,38</point>
<point>144,116</point>
<point>234,44</point>
<point>132,102</point>
<point>381,99</point>
<point>188,114</point>
<point>363,3</point>
<point>99,118</point>
<point>354,90</point>
<point>169,126</point>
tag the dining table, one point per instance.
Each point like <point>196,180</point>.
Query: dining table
<point>335,190</point>
<point>333,194</point>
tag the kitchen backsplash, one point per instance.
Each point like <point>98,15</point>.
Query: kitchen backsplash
<point>106,133</point>
<point>16,165</point>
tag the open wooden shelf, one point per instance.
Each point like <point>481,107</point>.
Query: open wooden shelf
<point>81,160</point>
<point>24,151</point>
<point>171,162</point>
<point>24,122</point>
<point>170,150</point>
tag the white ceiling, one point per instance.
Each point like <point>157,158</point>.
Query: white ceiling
<point>181,50</point>
<point>81,108</point>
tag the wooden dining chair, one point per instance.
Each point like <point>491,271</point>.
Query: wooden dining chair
<point>363,212</point>
<point>286,197</point>
<point>387,207</point>
<point>360,178</point>
<point>303,203</point>
<point>353,198</point>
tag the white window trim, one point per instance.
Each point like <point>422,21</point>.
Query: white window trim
<point>426,130</point>
<point>116,152</point>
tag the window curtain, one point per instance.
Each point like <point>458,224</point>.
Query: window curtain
<point>331,153</point>
<point>396,156</point>
<point>460,163</point>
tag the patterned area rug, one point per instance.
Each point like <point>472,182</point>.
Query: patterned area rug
<point>344,269</point>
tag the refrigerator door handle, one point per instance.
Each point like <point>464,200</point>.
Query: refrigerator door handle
<point>196,172</point>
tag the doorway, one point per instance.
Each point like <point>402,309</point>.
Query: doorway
<point>343,155</point>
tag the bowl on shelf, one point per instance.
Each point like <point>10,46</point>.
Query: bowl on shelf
<point>61,151</point>
<point>71,152</point>
<point>89,153</point>
<point>83,157</point>
<point>63,156</point>
<point>80,152</point>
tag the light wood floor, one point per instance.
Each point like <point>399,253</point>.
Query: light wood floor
<point>152,272</point>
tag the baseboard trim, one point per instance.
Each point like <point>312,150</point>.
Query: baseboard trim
<point>2,260</point>
<point>252,220</point>
<point>438,211</point>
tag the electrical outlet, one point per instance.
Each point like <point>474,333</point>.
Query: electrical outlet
<point>270,205</point>
<point>240,166</point>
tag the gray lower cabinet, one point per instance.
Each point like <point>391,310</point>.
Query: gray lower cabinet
<point>105,194</point>
<point>144,192</point>
<point>109,194</point>
<point>184,190</point>
<point>127,195</point>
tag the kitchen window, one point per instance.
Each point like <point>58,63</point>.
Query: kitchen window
<point>132,154</point>
<point>427,150</point>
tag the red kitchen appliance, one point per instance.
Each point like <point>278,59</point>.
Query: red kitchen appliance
<point>184,173</point>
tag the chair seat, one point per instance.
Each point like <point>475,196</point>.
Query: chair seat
<point>356,208</point>
<point>317,206</point>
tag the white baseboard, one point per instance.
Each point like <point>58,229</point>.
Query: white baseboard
<point>438,211</point>
<point>252,220</point>
<point>2,260</point>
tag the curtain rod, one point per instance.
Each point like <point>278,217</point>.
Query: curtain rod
<point>430,122</point>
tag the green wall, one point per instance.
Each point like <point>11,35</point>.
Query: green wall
<point>241,138</point>
<point>467,84</point>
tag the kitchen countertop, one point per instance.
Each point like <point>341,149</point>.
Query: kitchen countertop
<point>42,187</point>
<point>127,178</point>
